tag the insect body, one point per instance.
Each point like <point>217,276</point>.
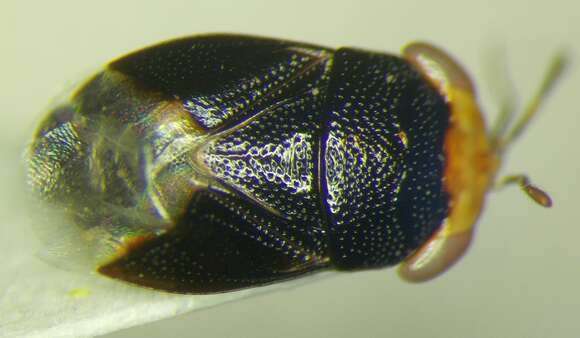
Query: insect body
<point>221,162</point>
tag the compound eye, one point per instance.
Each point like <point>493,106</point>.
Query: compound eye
<point>436,256</point>
<point>439,68</point>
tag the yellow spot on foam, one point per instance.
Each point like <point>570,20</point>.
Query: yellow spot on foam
<point>79,293</point>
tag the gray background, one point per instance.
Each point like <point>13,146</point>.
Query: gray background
<point>521,277</point>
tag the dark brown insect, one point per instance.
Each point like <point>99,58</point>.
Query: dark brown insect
<point>220,162</point>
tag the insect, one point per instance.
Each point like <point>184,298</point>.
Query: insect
<point>220,162</point>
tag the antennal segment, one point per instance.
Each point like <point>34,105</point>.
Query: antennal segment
<point>553,74</point>
<point>538,195</point>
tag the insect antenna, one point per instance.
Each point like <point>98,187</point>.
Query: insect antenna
<point>504,90</point>
<point>502,136</point>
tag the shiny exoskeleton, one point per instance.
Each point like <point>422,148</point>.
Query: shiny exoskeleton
<point>221,162</point>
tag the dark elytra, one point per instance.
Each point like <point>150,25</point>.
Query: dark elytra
<point>312,159</point>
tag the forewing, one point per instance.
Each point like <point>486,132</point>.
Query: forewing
<point>223,243</point>
<point>221,79</point>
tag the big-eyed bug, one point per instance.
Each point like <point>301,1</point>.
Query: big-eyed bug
<point>220,162</point>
